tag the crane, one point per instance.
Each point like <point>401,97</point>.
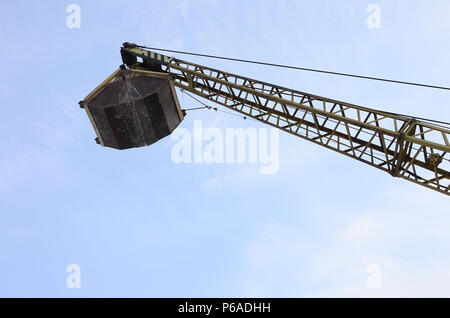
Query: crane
<point>137,105</point>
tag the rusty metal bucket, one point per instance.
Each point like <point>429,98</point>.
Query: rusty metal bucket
<point>133,108</point>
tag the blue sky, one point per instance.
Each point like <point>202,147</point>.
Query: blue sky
<point>140,225</point>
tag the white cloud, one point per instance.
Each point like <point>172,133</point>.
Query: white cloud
<point>362,227</point>
<point>406,238</point>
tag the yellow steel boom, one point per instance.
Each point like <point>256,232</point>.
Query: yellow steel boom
<point>403,146</point>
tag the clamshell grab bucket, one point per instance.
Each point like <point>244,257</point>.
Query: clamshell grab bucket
<point>133,108</point>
